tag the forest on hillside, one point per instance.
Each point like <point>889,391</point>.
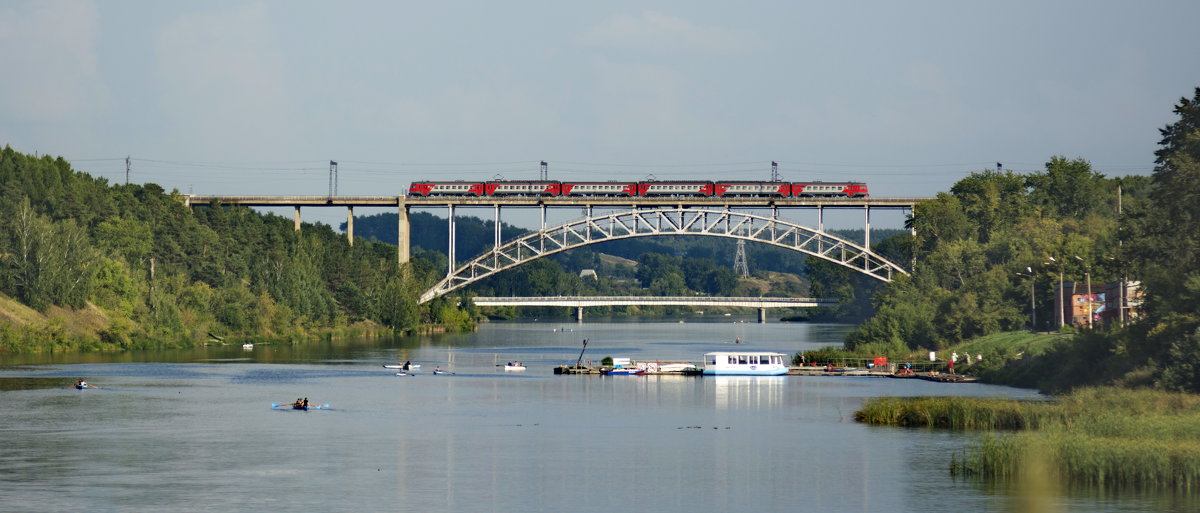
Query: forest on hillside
<point>85,264</point>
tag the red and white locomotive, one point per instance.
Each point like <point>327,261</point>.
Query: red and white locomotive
<point>653,188</point>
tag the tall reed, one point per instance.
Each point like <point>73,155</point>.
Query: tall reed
<point>1095,437</point>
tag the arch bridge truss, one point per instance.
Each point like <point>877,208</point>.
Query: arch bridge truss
<point>666,221</point>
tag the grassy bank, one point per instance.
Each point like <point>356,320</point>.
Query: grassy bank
<point>1095,436</point>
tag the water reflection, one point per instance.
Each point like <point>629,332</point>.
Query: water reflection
<point>747,392</point>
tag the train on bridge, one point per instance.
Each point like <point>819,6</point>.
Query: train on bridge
<point>649,188</point>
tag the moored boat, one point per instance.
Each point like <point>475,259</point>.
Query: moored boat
<point>514,366</point>
<point>744,364</point>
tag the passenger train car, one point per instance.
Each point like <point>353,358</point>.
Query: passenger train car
<point>654,188</point>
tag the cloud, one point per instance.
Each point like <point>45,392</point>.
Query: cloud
<point>221,80</point>
<point>658,32</point>
<point>49,61</point>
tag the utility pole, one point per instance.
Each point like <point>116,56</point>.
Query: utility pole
<point>1124,278</point>
<point>127,167</point>
<point>774,171</point>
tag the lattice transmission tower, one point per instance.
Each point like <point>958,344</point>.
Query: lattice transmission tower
<point>739,260</point>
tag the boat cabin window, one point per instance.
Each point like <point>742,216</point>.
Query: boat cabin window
<point>732,360</point>
<point>710,359</point>
<point>742,359</point>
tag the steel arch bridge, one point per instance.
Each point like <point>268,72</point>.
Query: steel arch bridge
<point>666,221</point>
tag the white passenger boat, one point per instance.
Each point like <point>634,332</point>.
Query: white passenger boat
<point>744,364</point>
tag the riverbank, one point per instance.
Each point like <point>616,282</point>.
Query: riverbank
<point>1094,437</point>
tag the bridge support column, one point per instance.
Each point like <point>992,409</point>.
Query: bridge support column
<point>450,246</point>
<point>762,315</point>
<point>496,242</point>
<point>297,218</point>
<point>350,225</point>
<point>403,253</point>
<point>579,314</point>
<point>867,227</point>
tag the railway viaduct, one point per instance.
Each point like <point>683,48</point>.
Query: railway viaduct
<point>748,218</point>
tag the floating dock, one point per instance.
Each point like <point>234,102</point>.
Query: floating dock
<point>881,372</point>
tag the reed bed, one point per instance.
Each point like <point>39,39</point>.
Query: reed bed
<point>1103,437</point>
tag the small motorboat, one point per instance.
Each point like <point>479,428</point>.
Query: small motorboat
<point>625,371</point>
<point>247,346</point>
<point>514,366</point>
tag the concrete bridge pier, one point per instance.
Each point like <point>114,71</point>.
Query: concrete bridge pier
<point>349,225</point>
<point>762,315</point>
<point>867,227</point>
<point>403,253</point>
<point>579,314</point>
<point>297,218</point>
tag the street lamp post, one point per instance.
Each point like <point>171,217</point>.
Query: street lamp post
<point>1061,302</point>
<point>1032,305</point>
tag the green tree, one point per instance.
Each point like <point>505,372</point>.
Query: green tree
<point>1069,188</point>
<point>1162,238</point>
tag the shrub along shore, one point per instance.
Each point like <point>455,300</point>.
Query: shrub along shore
<point>1092,436</point>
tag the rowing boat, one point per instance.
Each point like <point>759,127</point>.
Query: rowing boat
<point>414,366</point>
<point>294,406</point>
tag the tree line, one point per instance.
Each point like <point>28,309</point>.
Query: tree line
<point>982,247</point>
<point>130,266</point>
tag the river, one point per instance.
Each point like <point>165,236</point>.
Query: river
<point>194,430</point>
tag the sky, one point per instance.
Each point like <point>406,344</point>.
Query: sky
<point>256,97</point>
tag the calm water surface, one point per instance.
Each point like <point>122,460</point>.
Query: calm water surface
<point>195,431</point>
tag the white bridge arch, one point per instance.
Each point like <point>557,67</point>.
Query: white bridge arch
<point>666,221</point>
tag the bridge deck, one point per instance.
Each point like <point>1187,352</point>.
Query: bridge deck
<point>549,201</point>
<point>585,301</point>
